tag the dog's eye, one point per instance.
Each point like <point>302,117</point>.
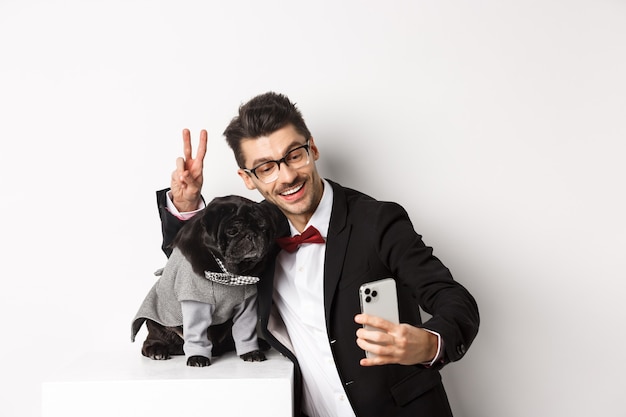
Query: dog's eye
<point>232,231</point>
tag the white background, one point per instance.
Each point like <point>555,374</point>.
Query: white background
<point>499,125</point>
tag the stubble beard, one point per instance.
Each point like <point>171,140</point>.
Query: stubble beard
<point>308,204</point>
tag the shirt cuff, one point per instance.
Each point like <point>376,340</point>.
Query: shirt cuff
<point>174,211</point>
<point>439,354</point>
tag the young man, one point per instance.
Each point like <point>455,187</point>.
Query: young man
<point>308,298</point>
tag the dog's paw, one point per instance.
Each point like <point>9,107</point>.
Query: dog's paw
<point>198,361</point>
<point>157,352</point>
<point>254,356</point>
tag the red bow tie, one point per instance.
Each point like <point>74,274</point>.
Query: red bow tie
<point>291,244</point>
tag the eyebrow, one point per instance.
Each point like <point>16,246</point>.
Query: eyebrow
<point>292,146</point>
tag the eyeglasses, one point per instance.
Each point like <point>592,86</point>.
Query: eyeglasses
<point>268,171</point>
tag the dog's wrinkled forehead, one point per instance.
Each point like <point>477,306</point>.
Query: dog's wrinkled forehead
<point>232,205</point>
<point>223,210</point>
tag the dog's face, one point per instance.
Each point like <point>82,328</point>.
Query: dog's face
<point>238,231</point>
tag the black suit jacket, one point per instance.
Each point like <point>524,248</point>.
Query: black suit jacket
<point>369,240</point>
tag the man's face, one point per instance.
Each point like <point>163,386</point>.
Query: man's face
<point>296,192</point>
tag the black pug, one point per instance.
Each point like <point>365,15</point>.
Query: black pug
<point>204,302</point>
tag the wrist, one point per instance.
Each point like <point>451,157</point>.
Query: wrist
<point>187,206</point>
<point>184,209</point>
<point>435,348</point>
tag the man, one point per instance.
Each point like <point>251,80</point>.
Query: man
<point>308,298</point>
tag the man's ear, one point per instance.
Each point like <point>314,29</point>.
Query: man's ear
<point>314,151</point>
<point>247,180</point>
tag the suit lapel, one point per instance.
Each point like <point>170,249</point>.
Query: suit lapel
<point>336,245</point>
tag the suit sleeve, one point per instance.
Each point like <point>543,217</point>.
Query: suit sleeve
<point>170,224</point>
<point>453,309</point>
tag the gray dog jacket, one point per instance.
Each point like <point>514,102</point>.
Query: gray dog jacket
<point>179,283</point>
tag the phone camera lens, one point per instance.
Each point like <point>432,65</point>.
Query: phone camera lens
<point>374,293</point>
<point>368,299</point>
<point>367,291</point>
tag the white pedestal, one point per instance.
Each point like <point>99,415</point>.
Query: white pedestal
<point>127,384</point>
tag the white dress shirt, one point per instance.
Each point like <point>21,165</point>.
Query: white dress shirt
<point>299,297</point>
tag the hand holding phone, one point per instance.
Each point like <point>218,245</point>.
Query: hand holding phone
<point>380,299</point>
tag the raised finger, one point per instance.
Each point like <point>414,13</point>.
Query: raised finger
<point>187,144</point>
<point>202,145</point>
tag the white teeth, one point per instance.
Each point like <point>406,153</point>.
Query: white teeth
<point>292,191</point>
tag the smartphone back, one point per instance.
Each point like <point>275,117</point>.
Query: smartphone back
<point>379,298</point>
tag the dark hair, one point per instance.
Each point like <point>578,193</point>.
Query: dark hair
<point>262,116</point>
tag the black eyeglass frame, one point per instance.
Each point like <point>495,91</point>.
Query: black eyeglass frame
<point>306,147</point>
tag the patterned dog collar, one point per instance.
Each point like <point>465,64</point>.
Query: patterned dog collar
<point>226,278</point>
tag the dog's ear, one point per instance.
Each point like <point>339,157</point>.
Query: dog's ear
<point>190,234</point>
<point>192,242</point>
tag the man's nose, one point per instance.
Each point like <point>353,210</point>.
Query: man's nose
<point>286,173</point>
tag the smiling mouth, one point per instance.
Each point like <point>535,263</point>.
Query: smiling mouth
<point>292,191</point>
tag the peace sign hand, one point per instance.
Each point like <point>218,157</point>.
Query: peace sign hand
<point>187,179</point>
